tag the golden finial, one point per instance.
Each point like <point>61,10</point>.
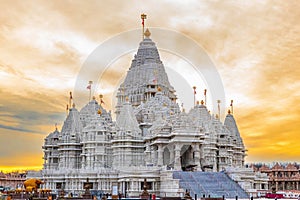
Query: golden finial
<point>229,111</point>
<point>147,33</point>
<point>99,112</point>
<point>183,110</point>
<point>101,96</point>
<point>197,102</point>
<point>94,98</point>
<point>73,105</point>
<point>159,89</point>
<point>217,116</point>
<point>126,99</point>
<point>202,102</point>
<point>143,16</point>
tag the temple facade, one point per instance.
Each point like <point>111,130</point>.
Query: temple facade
<point>150,138</point>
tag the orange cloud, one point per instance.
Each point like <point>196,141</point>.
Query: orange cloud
<point>254,44</point>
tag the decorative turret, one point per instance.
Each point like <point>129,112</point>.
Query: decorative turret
<point>237,141</point>
<point>230,124</point>
<point>69,144</point>
<point>93,108</point>
<point>72,126</point>
<point>128,141</point>
<point>199,114</point>
<point>51,155</point>
<point>126,120</point>
<point>158,106</point>
<point>95,149</point>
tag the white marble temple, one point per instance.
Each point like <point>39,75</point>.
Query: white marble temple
<point>150,137</point>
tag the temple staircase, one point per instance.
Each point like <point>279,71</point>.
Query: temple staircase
<point>210,184</point>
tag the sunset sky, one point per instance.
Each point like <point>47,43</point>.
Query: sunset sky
<point>255,46</point>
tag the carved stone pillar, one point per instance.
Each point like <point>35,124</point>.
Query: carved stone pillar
<point>197,157</point>
<point>148,155</point>
<point>172,155</point>
<point>154,156</point>
<point>160,155</point>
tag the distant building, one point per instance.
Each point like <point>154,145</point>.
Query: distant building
<point>12,180</point>
<point>281,176</point>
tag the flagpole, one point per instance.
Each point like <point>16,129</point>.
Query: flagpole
<point>194,87</point>
<point>143,17</point>
<point>219,110</point>
<point>205,96</point>
<point>101,97</point>
<point>90,88</point>
<point>231,105</point>
<point>70,99</point>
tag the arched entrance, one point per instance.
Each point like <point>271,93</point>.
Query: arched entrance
<point>166,156</point>
<point>187,158</point>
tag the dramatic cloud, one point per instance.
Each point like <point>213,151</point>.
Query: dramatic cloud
<point>254,44</point>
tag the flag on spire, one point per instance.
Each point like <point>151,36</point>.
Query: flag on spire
<point>71,97</point>
<point>90,85</point>
<point>143,17</point>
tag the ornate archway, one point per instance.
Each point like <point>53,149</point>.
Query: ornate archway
<point>187,158</point>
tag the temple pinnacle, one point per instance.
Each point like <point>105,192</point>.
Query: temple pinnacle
<point>147,33</point>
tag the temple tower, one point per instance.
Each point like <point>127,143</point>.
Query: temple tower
<point>145,75</point>
<point>69,141</point>
<point>128,144</point>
